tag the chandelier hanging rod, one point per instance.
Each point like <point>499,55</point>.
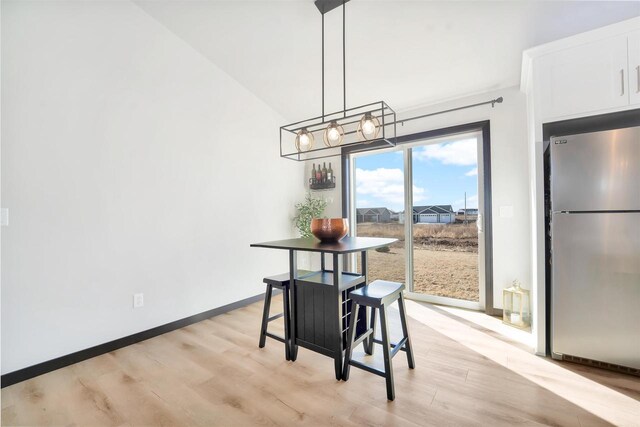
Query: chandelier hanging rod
<point>344,61</point>
<point>401,121</point>
<point>323,67</point>
<point>344,58</point>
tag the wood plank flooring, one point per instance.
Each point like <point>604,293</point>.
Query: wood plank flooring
<point>213,373</point>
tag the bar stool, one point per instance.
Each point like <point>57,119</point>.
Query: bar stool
<point>378,295</point>
<point>281,282</point>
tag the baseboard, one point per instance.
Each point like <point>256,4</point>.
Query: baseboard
<point>69,359</point>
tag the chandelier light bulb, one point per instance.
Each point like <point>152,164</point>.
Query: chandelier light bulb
<point>368,128</point>
<point>333,134</point>
<point>304,140</point>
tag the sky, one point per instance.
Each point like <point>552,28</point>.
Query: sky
<point>442,173</point>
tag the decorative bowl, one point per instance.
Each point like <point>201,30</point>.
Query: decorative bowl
<point>329,229</point>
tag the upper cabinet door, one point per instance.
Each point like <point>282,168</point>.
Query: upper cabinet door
<point>634,67</point>
<point>583,79</point>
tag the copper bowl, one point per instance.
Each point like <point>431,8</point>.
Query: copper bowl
<point>329,229</point>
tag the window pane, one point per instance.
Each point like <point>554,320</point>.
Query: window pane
<point>379,199</point>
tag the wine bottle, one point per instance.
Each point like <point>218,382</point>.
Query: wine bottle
<point>324,172</point>
<point>318,175</point>
<point>329,173</point>
<point>313,173</point>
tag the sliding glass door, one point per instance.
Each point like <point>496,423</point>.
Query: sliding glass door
<point>444,219</point>
<point>428,195</point>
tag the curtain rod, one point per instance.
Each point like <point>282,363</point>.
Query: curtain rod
<point>492,102</point>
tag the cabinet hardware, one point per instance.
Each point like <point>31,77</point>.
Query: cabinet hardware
<point>638,78</point>
<point>621,82</point>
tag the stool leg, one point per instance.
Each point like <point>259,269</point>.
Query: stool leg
<point>351,336</point>
<point>287,318</point>
<point>265,316</point>
<point>368,348</point>
<point>386,352</point>
<point>405,332</point>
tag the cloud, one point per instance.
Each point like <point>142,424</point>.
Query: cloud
<point>419,194</point>
<point>383,187</point>
<point>472,203</point>
<point>459,153</point>
<point>472,172</point>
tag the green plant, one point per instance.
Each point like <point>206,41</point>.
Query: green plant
<point>306,211</point>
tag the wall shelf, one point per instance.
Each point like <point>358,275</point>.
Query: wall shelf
<point>315,185</point>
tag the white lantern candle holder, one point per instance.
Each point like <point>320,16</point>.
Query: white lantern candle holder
<point>516,305</point>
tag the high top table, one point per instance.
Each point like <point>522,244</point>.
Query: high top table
<point>320,305</point>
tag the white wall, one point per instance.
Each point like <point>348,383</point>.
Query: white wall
<point>130,163</point>
<point>509,169</point>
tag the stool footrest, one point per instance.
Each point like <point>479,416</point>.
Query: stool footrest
<point>362,337</point>
<point>400,345</point>
<point>367,368</point>
<point>275,337</point>
<point>276,317</point>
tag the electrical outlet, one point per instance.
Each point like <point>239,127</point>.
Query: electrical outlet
<point>4,216</point>
<point>138,300</point>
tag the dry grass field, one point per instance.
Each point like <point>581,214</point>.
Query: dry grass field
<point>445,258</point>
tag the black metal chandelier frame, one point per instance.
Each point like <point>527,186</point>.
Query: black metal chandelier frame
<point>348,120</point>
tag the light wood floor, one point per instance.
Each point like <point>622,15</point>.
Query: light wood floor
<point>213,373</point>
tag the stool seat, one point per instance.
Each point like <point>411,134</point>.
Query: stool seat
<point>377,293</point>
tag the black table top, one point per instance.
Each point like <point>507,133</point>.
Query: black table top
<point>311,244</point>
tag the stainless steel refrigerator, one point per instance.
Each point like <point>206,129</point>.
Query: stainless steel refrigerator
<point>595,246</point>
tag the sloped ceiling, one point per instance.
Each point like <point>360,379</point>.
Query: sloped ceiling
<point>408,53</point>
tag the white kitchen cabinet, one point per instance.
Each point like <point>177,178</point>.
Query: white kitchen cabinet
<point>634,67</point>
<point>582,79</point>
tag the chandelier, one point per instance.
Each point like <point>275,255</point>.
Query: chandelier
<point>325,135</point>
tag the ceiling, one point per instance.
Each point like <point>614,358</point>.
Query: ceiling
<point>408,53</point>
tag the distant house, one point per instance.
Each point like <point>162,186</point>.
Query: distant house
<point>470,212</point>
<point>374,215</point>
<point>433,214</point>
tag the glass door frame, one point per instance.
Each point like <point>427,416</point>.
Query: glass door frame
<point>405,144</point>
